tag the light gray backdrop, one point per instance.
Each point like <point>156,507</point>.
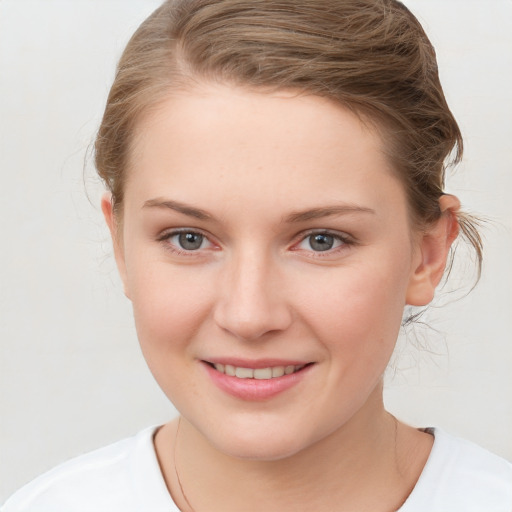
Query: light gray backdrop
<point>71,374</point>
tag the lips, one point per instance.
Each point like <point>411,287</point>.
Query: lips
<point>270,372</point>
<point>256,380</point>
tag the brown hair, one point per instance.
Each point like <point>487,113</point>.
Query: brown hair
<point>371,56</point>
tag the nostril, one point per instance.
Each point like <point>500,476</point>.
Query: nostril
<point>252,323</point>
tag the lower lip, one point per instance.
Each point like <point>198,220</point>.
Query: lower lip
<point>255,389</point>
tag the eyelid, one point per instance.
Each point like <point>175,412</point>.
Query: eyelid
<point>167,234</point>
<point>346,239</point>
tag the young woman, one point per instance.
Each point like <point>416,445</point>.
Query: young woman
<point>275,173</point>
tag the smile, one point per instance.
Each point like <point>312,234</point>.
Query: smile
<point>257,373</point>
<point>256,380</point>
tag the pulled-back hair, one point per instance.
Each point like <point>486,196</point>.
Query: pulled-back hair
<point>371,56</point>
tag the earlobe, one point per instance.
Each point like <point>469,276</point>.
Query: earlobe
<point>113,226</point>
<point>432,253</point>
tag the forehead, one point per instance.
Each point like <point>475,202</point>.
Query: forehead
<point>245,145</point>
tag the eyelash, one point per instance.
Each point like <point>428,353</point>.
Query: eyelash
<point>166,237</point>
<point>344,240</point>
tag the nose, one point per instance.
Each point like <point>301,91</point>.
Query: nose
<point>252,300</point>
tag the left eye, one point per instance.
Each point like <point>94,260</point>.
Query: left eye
<point>189,240</point>
<point>320,242</point>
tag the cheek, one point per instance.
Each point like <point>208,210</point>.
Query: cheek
<point>168,305</point>
<point>357,312</point>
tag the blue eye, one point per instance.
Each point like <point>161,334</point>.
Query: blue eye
<point>321,242</point>
<point>188,240</point>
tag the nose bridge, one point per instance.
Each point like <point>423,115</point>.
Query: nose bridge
<point>252,304</point>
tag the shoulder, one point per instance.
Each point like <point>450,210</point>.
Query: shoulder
<point>462,476</point>
<point>115,478</point>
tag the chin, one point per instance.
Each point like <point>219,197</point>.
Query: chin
<point>260,451</point>
<point>259,442</point>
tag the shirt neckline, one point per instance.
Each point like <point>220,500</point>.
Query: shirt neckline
<point>156,497</point>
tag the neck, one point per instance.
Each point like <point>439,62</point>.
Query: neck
<point>361,466</point>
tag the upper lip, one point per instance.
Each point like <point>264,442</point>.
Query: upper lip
<point>255,363</point>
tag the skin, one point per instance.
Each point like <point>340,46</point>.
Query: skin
<point>253,163</point>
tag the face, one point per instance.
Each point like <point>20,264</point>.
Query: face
<point>266,248</point>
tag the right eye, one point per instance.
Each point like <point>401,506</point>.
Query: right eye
<point>320,242</point>
<point>186,241</point>
<point>189,241</point>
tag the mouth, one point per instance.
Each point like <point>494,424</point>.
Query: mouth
<point>268,373</point>
<point>256,380</point>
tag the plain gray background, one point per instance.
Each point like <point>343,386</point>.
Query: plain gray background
<point>71,374</point>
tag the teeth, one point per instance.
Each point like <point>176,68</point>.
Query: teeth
<point>263,373</point>
<point>244,373</point>
<point>289,369</point>
<point>278,371</point>
<point>258,373</point>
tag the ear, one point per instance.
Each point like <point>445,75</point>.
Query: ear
<point>432,253</point>
<point>107,208</point>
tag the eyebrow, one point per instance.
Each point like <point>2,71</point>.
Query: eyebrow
<point>191,211</point>
<point>294,217</point>
<point>326,211</point>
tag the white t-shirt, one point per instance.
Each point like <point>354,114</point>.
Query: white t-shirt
<point>125,477</point>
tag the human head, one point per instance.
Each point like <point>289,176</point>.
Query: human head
<point>371,56</point>
<point>153,142</point>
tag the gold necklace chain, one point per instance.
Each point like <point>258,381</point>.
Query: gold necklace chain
<point>176,467</point>
<point>182,491</point>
